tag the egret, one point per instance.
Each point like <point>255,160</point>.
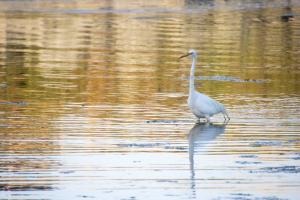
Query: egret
<point>202,106</point>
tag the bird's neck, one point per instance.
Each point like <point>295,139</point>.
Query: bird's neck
<point>192,76</point>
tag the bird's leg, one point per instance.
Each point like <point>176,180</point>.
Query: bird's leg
<point>207,119</point>
<point>226,116</point>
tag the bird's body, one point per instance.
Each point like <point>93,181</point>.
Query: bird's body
<point>202,106</point>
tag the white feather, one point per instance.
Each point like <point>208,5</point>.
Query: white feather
<point>201,105</point>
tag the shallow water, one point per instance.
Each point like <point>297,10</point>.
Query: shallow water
<point>93,100</point>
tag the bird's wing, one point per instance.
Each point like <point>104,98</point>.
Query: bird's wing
<point>209,105</point>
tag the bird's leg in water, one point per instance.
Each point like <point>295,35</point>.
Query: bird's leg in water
<point>201,122</point>
<point>198,121</point>
<point>225,120</point>
<point>228,118</point>
<point>207,119</point>
<point>224,117</point>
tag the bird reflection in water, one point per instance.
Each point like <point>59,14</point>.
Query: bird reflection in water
<point>199,136</point>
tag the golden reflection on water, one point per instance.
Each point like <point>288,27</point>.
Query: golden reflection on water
<point>99,83</point>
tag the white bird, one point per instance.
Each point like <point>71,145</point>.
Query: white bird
<point>201,105</point>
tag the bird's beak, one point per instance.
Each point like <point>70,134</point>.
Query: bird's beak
<point>185,55</point>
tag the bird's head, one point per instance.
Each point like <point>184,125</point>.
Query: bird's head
<point>191,52</point>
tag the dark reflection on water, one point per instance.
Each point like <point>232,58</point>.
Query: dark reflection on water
<point>93,99</point>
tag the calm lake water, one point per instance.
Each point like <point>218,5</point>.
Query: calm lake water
<point>93,100</point>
